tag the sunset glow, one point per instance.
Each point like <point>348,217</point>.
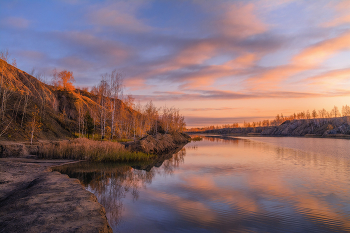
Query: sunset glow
<point>219,62</point>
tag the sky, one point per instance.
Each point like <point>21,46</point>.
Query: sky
<point>219,62</point>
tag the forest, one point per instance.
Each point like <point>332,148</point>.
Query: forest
<point>33,108</point>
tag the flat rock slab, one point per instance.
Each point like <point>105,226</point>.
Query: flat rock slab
<point>34,199</point>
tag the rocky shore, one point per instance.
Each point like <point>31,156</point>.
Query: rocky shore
<point>35,199</point>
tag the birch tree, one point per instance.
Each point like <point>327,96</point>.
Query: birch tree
<point>35,124</point>
<point>346,110</point>
<point>116,85</point>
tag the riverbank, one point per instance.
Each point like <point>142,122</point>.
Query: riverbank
<point>334,136</point>
<point>143,149</point>
<point>321,127</point>
<point>35,199</point>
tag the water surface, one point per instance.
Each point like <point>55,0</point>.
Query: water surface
<point>229,185</point>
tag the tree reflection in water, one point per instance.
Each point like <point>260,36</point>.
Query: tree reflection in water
<point>110,183</point>
<point>222,139</point>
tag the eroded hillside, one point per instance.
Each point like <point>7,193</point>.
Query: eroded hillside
<point>32,110</point>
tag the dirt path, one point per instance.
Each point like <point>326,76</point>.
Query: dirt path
<point>35,199</point>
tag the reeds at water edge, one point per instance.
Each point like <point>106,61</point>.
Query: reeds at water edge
<point>85,149</point>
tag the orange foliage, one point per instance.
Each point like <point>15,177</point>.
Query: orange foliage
<point>63,80</point>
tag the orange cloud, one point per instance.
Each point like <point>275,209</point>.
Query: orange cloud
<point>187,66</point>
<point>308,59</point>
<point>244,61</point>
<point>319,52</point>
<point>135,84</point>
<point>196,54</point>
<point>331,78</point>
<point>208,109</point>
<point>272,77</point>
<point>211,73</point>
<point>239,21</point>
<point>342,15</point>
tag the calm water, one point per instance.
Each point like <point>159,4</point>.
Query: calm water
<point>230,185</point>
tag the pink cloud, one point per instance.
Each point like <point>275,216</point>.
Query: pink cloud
<point>241,21</point>
<point>197,53</point>
<point>16,22</point>
<point>212,73</point>
<point>119,14</point>
<point>208,109</point>
<point>342,14</point>
<point>243,61</point>
<point>316,54</point>
<point>309,58</point>
<point>331,78</point>
<point>193,95</point>
<point>207,75</point>
<point>236,19</point>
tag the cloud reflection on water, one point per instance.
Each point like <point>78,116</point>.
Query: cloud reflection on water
<point>231,184</point>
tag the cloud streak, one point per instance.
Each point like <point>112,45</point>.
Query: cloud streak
<point>16,22</point>
<point>208,109</point>
<point>189,51</point>
<point>229,95</point>
<point>119,15</point>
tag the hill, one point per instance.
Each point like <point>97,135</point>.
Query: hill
<point>31,109</point>
<point>23,97</point>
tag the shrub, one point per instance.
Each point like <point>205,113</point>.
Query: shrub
<point>197,138</point>
<point>330,127</point>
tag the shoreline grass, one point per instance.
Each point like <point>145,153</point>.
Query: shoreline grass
<point>196,139</point>
<point>90,150</point>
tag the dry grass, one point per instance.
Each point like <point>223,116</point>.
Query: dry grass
<point>197,138</point>
<point>85,149</point>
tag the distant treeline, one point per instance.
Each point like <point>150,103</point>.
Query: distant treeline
<point>280,118</point>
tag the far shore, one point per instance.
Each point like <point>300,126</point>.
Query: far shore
<point>334,136</point>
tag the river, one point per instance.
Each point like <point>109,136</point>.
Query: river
<point>229,185</point>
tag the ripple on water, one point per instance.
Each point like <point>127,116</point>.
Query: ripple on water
<point>259,185</point>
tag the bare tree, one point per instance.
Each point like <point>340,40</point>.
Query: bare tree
<point>35,123</point>
<point>116,85</point>
<point>335,112</point>
<point>346,110</point>
<point>26,97</point>
<point>102,91</point>
<point>323,113</point>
